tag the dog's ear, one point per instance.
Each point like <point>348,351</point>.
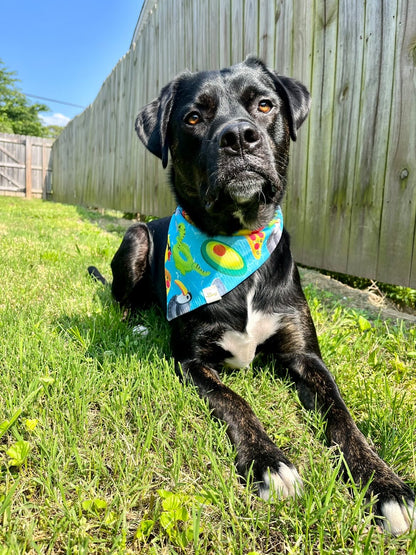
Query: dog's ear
<point>295,95</point>
<point>152,122</point>
<point>297,98</point>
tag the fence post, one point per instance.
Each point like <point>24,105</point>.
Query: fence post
<point>28,167</point>
<point>44,168</point>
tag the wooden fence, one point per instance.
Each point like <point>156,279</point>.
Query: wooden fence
<point>25,166</point>
<point>351,202</point>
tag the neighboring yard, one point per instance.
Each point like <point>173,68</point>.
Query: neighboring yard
<point>103,451</point>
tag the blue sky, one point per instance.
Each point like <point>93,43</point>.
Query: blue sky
<point>64,50</point>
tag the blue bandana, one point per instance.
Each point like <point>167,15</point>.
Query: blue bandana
<point>200,269</point>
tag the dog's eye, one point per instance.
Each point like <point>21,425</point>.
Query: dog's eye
<point>265,106</point>
<point>193,118</point>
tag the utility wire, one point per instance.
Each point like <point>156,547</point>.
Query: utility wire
<point>52,100</point>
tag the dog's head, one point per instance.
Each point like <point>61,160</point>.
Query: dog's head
<point>228,133</point>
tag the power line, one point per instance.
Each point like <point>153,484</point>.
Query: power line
<point>52,100</point>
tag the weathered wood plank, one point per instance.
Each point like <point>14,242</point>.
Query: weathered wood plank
<point>152,180</point>
<point>187,33</point>
<point>294,47</point>
<point>320,119</point>
<point>136,156</point>
<point>9,154</point>
<point>266,38</point>
<point>22,162</point>
<point>215,40</point>
<point>28,181</point>
<point>375,101</point>
<point>250,37</point>
<point>46,171</point>
<point>412,280</point>
<point>290,24</point>
<point>225,33</point>
<point>237,31</point>
<point>119,191</point>
<point>397,243</point>
<point>346,106</point>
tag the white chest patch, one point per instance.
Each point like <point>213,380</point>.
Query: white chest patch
<point>242,345</point>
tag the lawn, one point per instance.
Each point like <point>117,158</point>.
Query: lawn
<point>102,450</point>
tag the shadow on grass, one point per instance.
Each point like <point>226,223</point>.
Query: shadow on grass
<point>111,330</point>
<point>111,221</point>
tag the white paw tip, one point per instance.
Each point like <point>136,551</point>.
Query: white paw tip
<point>279,485</point>
<point>399,517</point>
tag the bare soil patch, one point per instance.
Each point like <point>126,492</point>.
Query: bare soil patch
<point>358,299</point>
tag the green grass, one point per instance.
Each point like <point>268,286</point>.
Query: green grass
<point>102,450</point>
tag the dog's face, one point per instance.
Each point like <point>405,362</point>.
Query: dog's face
<point>228,133</point>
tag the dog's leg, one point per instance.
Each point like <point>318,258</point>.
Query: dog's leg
<point>395,500</point>
<point>130,266</point>
<point>272,473</point>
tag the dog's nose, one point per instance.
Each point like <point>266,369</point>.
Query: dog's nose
<point>239,137</point>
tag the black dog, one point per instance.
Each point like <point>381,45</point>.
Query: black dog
<point>228,134</point>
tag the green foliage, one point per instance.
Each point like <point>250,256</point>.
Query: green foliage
<point>404,296</point>
<point>7,424</point>
<point>53,131</point>
<point>94,505</point>
<point>176,519</point>
<point>17,114</point>
<point>363,323</point>
<point>18,452</point>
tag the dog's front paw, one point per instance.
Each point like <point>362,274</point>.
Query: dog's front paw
<point>274,476</point>
<point>283,481</point>
<point>395,505</point>
<point>398,514</point>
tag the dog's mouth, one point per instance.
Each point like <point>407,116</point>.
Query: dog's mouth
<point>244,188</point>
<point>245,201</point>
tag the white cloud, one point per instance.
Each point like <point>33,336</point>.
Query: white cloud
<point>55,119</point>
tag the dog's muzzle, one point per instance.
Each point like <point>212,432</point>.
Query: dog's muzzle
<point>240,165</point>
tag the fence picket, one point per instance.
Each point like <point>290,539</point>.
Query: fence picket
<point>25,166</point>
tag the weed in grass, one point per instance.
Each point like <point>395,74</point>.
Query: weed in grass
<point>108,424</point>
<point>178,516</point>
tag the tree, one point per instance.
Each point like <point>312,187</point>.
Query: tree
<point>53,131</point>
<point>17,114</point>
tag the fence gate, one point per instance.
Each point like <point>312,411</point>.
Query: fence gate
<point>25,166</point>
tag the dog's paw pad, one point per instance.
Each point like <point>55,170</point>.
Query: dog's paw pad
<point>398,517</point>
<point>280,484</point>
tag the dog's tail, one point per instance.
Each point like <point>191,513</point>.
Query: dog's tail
<point>95,274</point>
